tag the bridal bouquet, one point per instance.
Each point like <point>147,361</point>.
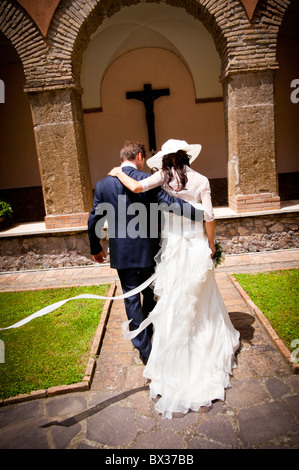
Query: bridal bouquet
<point>218,257</point>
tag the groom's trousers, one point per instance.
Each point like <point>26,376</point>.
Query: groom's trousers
<point>136,310</point>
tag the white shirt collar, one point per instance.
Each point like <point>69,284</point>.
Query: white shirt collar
<point>128,163</point>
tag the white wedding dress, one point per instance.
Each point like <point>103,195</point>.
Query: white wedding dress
<point>194,341</point>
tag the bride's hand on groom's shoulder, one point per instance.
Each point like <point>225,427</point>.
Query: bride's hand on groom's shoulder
<point>116,171</point>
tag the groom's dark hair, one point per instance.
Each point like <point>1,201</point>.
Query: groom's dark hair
<point>131,149</point>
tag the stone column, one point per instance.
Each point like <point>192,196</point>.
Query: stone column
<point>62,155</point>
<point>252,170</point>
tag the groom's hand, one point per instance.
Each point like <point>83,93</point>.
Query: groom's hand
<point>100,257</point>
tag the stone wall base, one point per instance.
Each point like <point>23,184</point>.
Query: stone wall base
<point>258,233</point>
<point>254,202</point>
<point>65,249</point>
<point>66,220</point>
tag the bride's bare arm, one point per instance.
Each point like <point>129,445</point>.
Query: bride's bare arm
<point>140,186</point>
<point>127,181</point>
<point>210,227</point>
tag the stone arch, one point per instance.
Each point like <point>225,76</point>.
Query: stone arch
<point>241,49</point>
<point>75,21</point>
<point>23,33</point>
<point>57,60</point>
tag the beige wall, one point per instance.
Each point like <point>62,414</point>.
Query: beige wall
<point>176,116</point>
<point>287,113</point>
<point>18,158</point>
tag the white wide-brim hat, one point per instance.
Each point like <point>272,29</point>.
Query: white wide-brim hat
<point>172,146</point>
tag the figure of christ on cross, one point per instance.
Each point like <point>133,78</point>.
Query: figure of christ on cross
<point>148,96</point>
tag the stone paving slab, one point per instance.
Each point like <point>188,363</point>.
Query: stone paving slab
<point>51,278</point>
<point>260,411</point>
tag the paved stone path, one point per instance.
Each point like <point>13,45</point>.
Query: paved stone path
<point>261,409</point>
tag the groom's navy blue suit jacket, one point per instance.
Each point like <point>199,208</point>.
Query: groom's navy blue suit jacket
<point>125,251</point>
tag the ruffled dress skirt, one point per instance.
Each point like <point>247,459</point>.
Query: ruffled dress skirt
<point>194,341</point>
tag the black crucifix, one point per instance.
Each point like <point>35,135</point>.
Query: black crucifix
<point>148,96</point>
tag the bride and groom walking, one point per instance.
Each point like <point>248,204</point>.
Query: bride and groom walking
<point>181,329</point>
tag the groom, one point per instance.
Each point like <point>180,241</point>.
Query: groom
<point>133,257</point>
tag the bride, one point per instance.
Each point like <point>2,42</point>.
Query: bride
<point>194,341</point>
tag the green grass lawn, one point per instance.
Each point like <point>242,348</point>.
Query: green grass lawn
<point>50,350</point>
<point>276,294</point>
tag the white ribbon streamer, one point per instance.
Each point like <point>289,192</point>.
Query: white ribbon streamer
<point>52,307</point>
<point>142,326</point>
<point>137,290</point>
